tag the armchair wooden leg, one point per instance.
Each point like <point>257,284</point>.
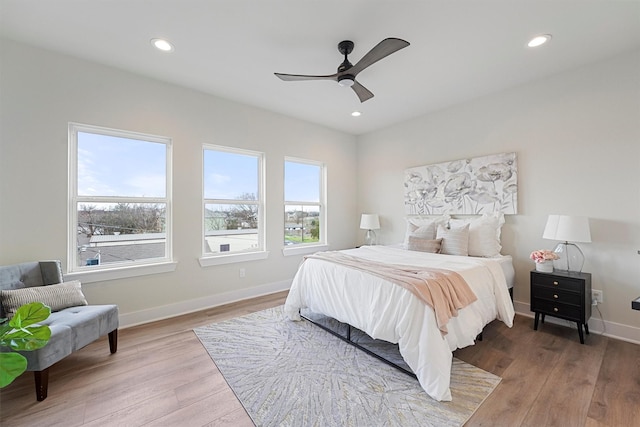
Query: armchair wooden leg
<point>113,341</point>
<point>42,384</point>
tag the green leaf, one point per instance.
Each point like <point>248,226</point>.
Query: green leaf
<point>12,365</point>
<point>29,314</point>
<point>27,339</point>
<point>22,333</point>
<point>4,328</point>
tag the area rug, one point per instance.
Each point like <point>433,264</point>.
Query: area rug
<point>296,374</point>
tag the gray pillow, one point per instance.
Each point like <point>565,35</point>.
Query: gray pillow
<point>424,245</point>
<point>58,297</point>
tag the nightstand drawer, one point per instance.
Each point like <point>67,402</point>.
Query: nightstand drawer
<point>566,311</point>
<point>556,295</point>
<point>554,281</point>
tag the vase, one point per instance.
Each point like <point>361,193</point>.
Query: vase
<point>545,266</point>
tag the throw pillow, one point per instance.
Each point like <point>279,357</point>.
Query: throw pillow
<point>484,234</point>
<point>58,297</point>
<point>424,245</point>
<point>425,227</point>
<point>455,241</point>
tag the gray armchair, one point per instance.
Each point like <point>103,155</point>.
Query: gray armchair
<point>71,328</point>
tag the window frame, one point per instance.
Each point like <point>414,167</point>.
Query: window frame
<point>217,258</point>
<point>124,269</point>
<point>321,244</point>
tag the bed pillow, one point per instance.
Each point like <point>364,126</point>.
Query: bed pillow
<point>424,227</point>
<point>58,297</point>
<point>484,234</point>
<point>455,240</point>
<point>424,245</point>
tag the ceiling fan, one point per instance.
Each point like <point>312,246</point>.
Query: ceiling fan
<point>346,75</point>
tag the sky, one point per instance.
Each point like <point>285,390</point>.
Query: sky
<point>114,166</point>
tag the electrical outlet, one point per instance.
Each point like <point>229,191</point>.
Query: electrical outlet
<point>242,272</point>
<point>596,296</point>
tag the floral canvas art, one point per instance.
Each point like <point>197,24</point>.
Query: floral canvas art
<point>469,186</point>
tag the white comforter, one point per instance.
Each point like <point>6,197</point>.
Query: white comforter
<point>389,312</point>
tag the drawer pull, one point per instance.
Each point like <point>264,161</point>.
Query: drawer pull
<point>555,309</point>
<point>555,296</point>
<point>555,283</point>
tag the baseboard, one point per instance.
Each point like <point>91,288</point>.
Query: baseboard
<point>597,325</point>
<point>184,307</point>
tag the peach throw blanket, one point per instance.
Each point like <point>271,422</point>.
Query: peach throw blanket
<point>443,290</point>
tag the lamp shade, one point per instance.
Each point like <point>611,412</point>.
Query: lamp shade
<point>567,228</point>
<point>369,222</point>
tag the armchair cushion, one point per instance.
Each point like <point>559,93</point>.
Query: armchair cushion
<point>72,329</point>
<point>57,297</point>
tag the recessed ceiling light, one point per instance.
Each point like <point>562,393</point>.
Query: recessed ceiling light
<point>539,40</point>
<point>356,114</point>
<point>162,45</point>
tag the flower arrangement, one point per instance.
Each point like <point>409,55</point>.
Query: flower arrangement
<point>543,255</point>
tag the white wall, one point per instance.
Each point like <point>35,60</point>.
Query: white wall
<point>42,91</point>
<point>577,137</point>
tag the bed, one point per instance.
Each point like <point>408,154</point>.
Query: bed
<point>389,312</point>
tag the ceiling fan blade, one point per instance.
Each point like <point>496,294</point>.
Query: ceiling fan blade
<point>383,49</point>
<point>362,92</point>
<point>299,77</point>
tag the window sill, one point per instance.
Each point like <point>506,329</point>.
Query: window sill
<point>210,260</point>
<point>303,250</point>
<point>121,272</point>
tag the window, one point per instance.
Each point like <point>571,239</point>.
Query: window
<point>304,211</point>
<point>120,204</point>
<point>233,203</point>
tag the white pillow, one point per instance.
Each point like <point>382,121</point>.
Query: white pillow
<point>484,233</point>
<point>455,240</point>
<point>423,227</point>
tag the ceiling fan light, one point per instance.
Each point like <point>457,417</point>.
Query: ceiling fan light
<point>346,80</point>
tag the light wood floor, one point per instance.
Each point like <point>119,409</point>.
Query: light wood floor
<point>162,376</point>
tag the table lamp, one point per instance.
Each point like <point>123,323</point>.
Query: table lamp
<point>569,229</point>
<point>370,222</point>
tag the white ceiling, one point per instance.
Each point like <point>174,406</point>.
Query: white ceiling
<point>459,50</point>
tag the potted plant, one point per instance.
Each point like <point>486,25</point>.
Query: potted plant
<point>21,333</point>
<point>544,259</point>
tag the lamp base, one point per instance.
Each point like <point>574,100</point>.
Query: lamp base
<point>370,238</point>
<point>570,258</point>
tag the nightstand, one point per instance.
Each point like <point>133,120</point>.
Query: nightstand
<point>562,294</point>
